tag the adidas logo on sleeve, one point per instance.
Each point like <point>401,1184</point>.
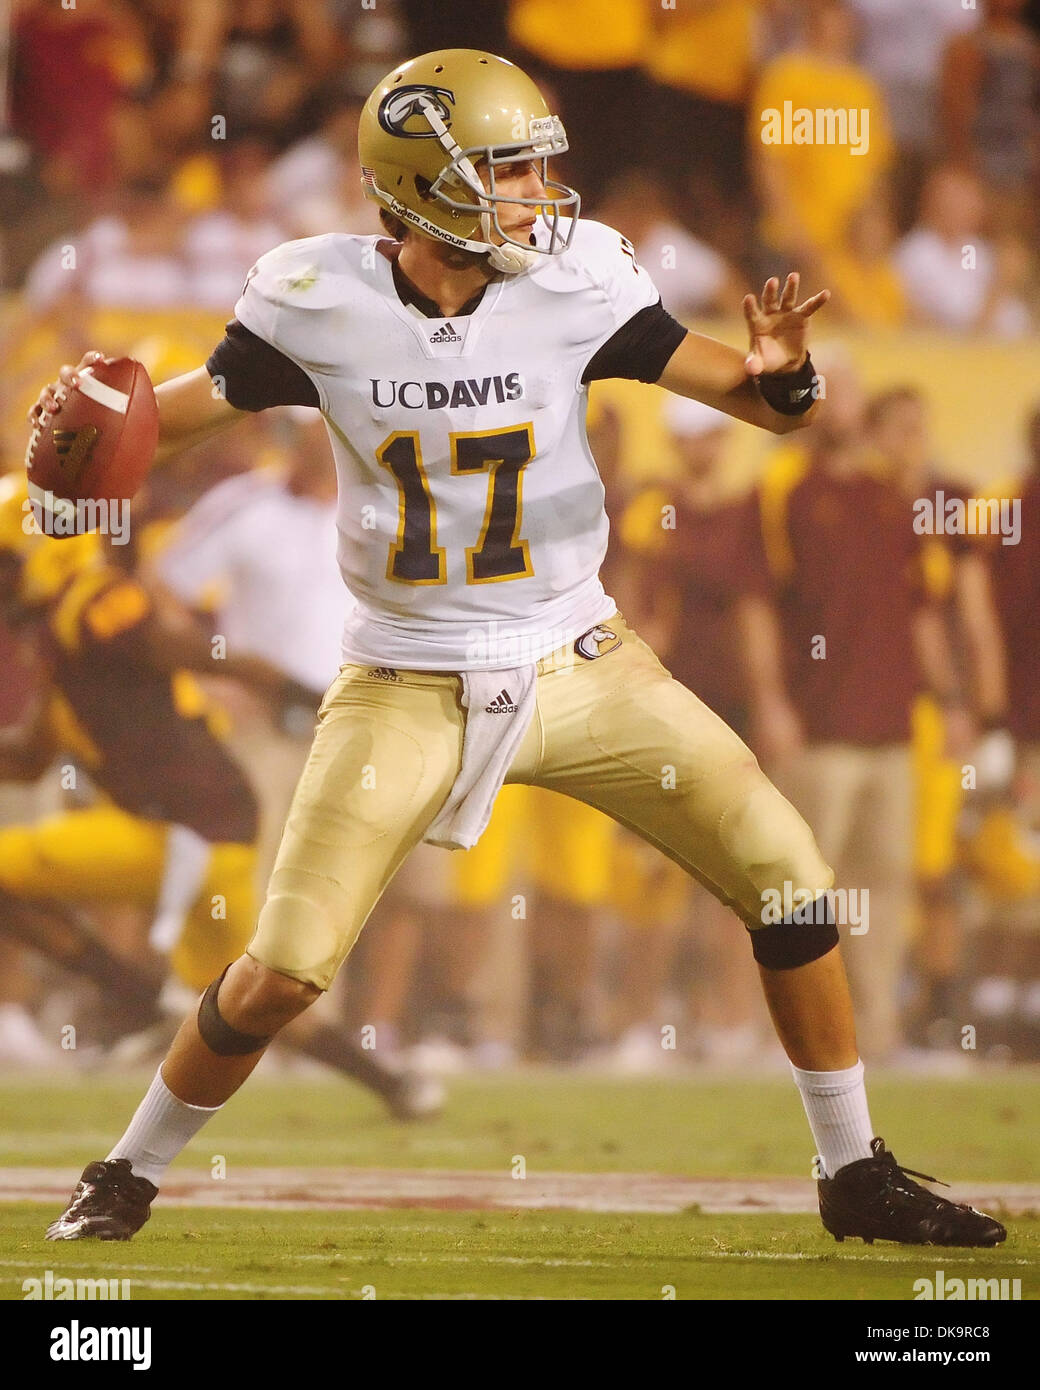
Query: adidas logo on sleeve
<point>501,704</point>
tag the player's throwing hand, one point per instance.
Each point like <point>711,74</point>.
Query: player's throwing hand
<point>50,398</point>
<point>778,326</point>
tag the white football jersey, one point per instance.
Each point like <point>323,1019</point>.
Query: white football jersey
<point>471,520</point>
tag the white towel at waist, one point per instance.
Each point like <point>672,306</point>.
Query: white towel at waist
<point>499,706</point>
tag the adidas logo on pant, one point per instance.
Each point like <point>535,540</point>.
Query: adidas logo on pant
<point>501,704</point>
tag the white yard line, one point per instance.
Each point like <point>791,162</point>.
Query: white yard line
<point>331,1189</point>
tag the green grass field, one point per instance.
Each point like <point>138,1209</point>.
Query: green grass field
<point>201,1253</point>
<point>983,1129</point>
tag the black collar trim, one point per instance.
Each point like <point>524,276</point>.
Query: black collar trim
<point>410,294</point>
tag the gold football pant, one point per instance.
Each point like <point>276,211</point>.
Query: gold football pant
<point>615,732</point>
<point>105,855</point>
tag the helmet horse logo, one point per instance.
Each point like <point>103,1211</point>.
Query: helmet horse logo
<point>399,106</point>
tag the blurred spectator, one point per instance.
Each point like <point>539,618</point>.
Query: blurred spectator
<point>988,100</point>
<point>695,552</point>
<point>391,979</point>
<point>259,551</point>
<point>222,244</point>
<point>570,847</point>
<point>953,275</point>
<point>590,52</point>
<point>183,36</point>
<point>462,24</point>
<point>262,545</point>
<point>133,259</point>
<point>651,899</point>
<point>315,186</point>
<point>701,62</point>
<point>810,188</point>
<point>71,66</point>
<point>901,46</point>
<point>1004,848</point>
<point>693,279</point>
<point>1016,579</point>
<point>779,25</point>
<point>150,256</point>
<point>260,65</point>
<point>965,631</point>
<point>688,541</point>
<point>469,916</point>
<point>861,274</point>
<point>169,492</point>
<point>38,205</point>
<point>274,56</point>
<point>833,713</point>
<point>21,1042</point>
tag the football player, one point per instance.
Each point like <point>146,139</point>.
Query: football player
<point>452,361</point>
<point>174,828</point>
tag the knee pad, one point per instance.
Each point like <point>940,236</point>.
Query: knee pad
<point>218,1034</point>
<point>306,927</point>
<point>803,936</point>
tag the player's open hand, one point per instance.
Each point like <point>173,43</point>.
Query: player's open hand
<point>48,402</point>
<point>778,326</point>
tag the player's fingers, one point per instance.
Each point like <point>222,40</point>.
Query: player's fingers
<point>771,295</point>
<point>46,404</point>
<point>754,363</point>
<point>70,375</point>
<point>52,395</point>
<point>790,293</point>
<point>811,305</point>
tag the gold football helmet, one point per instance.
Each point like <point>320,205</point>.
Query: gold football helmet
<point>427,126</point>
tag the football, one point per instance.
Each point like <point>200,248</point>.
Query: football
<point>95,451</point>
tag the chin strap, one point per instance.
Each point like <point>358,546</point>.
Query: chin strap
<point>511,260</point>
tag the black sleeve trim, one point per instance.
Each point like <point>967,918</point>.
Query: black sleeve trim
<point>640,349</point>
<point>253,375</point>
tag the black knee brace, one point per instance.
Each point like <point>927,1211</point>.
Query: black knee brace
<point>808,933</point>
<point>218,1034</point>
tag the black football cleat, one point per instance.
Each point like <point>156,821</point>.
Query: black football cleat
<point>877,1200</point>
<point>109,1203</point>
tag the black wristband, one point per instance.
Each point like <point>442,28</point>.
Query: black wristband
<point>789,393</point>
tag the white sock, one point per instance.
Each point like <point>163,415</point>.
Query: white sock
<point>161,1127</point>
<point>836,1107</point>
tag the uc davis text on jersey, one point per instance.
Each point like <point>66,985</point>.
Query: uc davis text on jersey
<point>441,395</point>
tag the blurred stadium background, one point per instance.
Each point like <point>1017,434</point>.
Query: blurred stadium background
<point>152,151</point>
